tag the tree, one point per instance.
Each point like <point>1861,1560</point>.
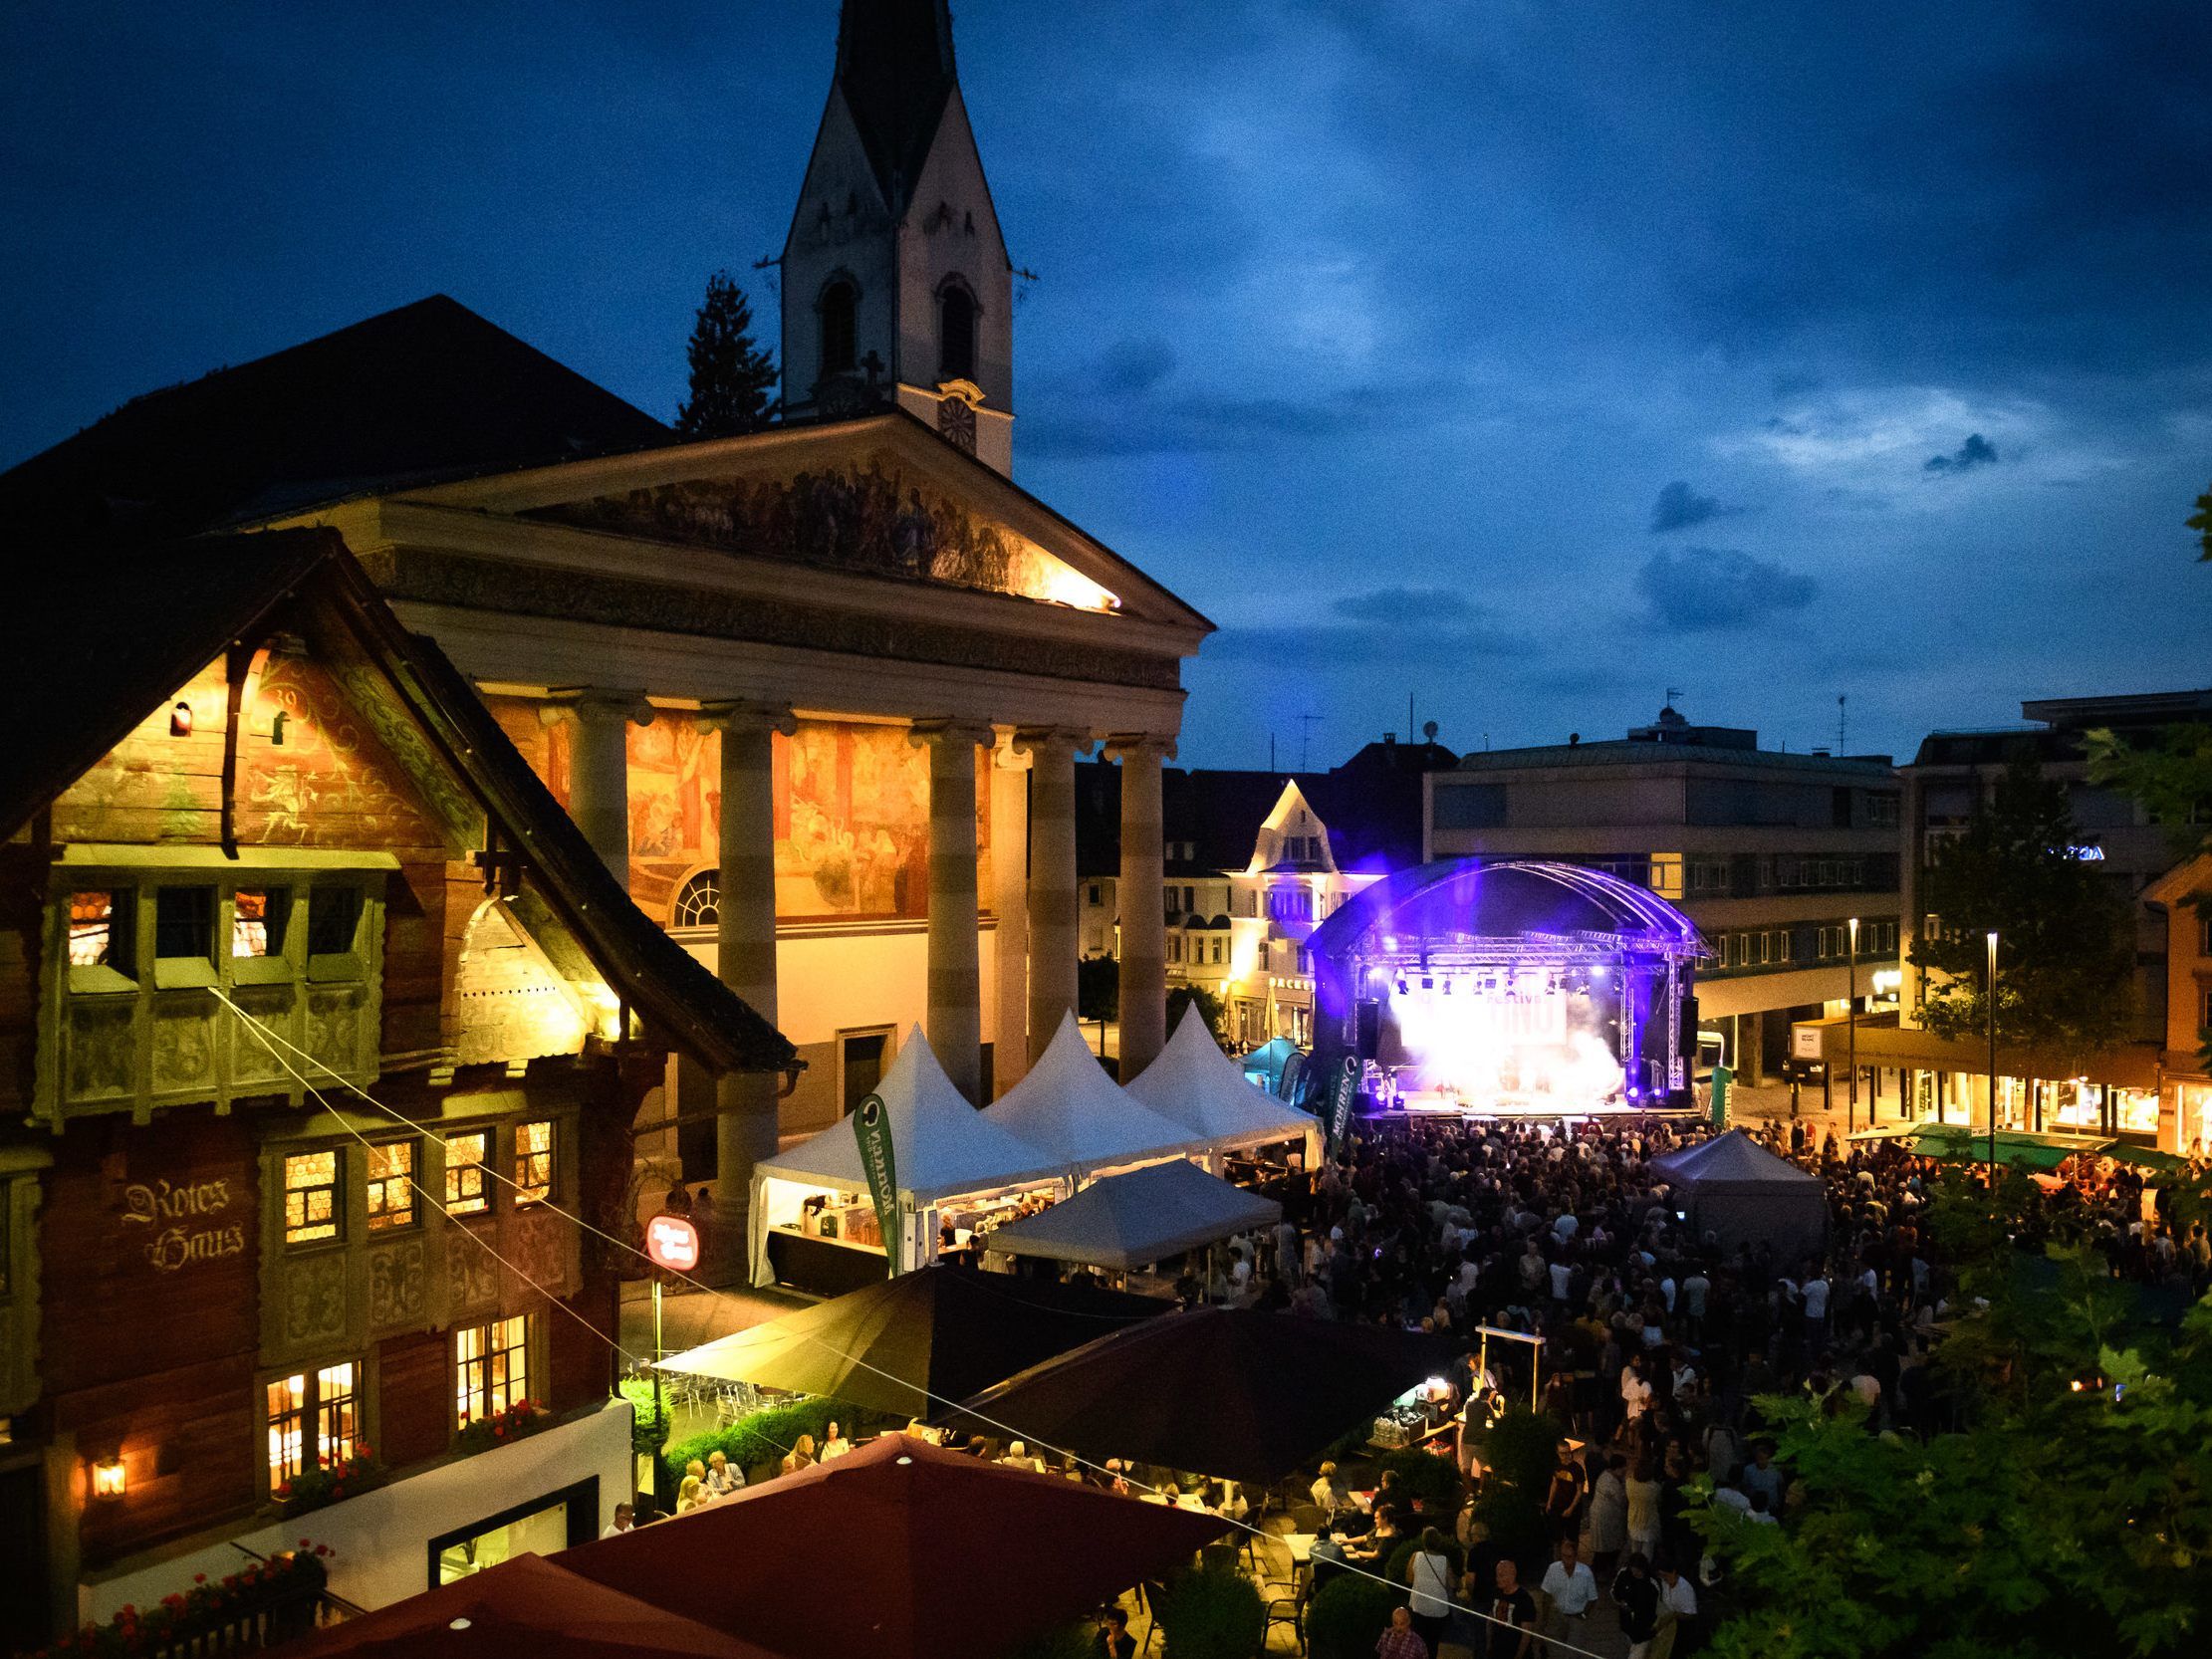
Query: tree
<point>2201,522</point>
<point>2066,960</point>
<point>1209,1006</point>
<point>2069,1515</point>
<point>732,380</point>
<point>1097,987</point>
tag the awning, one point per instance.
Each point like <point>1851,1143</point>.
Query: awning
<point>1138,1218</point>
<point>919,1341</point>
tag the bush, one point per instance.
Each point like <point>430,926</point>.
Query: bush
<point>762,1437</point>
<point>1348,1617</point>
<point>1517,1529</point>
<point>647,1432</point>
<point>1068,1641</point>
<point>1216,1614</point>
<point>1434,1483</point>
<point>1520,1450</point>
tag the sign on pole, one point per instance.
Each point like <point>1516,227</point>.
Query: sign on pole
<point>1342,1096</point>
<point>1722,1079</point>
<point>873,1126</point>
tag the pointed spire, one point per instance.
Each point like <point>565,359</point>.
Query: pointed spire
<point>896,69</point>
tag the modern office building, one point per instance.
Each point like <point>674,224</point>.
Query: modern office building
<point>1773,854</point>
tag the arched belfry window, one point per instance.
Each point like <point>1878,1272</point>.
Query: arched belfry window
<point>839,299</point>
<point>955,333</point>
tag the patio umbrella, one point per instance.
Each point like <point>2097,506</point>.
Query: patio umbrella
<point>525,1605</point>
<point>1232,1392</point>
<point>917,1342</point>
<point>897,1547</point>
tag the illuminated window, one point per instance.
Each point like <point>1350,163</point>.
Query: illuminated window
<point>309,1197</point>
<point>491,1365</point>
<point>100,931</point>
<point>465,1157</point>
<point>258,921</point>
<point>390,1185</point>
<point>955,334</point>
<point>838,304</point>
<point>699,901</point>
<point>534,1162</point>
<point>326,1401</point>
<point>183,922</point>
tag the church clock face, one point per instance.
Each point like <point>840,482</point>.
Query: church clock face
<point>956,422</point>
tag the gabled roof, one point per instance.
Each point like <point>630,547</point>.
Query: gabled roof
<point>1218,813</point>
<point>1069,1108</point>
<point>1735,1161</point>
<point>1193,1083</point>
<point>895,69</point>
<point>429,390</point>
<point>1139,1217</point>
<point>165,612</point>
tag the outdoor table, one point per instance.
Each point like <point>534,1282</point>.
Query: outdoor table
<point>1300,1546</point>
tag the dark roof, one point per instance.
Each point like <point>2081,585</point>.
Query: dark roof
<point>1220,812</point>
<point>1633,752</point>
<point>1390,755</point>
<point>163,613</point>
<point>1374,818</point>
<point>430,391</point>
<point>896,69</point>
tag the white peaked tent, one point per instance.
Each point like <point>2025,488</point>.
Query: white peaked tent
<point>941,1147</point>
<point>1068,1105</point>
<point>1193,1083</point>
<point>1129,1220</point>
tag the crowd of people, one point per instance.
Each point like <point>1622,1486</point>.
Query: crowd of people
<point>1654,1340</point>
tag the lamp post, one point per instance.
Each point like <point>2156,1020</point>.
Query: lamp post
<point>1989,995</point>
<point>1851,1015</point>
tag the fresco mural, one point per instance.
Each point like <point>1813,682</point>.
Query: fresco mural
<point>852,813</point>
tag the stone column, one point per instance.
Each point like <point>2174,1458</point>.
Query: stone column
<point>599,766</point>
<point>955,1014</point>
<point>745,954</point>
<point>1144,1010</point>
<point>1010,899</point>
<point>1051,878</point>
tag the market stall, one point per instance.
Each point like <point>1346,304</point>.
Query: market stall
<point>1193,1083</point>
<point>1129,1220</point>
<point>959,1174</point>
<point>1069,1106</point>
<point>1735,1190</point>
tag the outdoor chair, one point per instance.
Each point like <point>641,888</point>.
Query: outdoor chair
<point>1290,1610</point>
<point>1307,1517</point>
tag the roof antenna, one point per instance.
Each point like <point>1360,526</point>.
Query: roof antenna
<point>1843,723</point>
<point>1306,723</point>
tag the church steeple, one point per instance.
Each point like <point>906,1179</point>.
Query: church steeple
<point>896,283</point>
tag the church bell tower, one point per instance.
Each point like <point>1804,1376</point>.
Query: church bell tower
<point>895,280</point>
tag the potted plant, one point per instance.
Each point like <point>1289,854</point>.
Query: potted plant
<point>330,1482</point>
<point>515,1422</point>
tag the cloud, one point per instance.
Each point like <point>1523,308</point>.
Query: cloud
<point>1976,451</point>
<point>1426,606</point>
<point>1703,589</point>
<point>1136,365</point>
<point>1680,508</point>
<point>1139,424</point>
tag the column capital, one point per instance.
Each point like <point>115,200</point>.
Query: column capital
<point>1140,746</point>
<point>748,717</point>
<point>951,731</point>
<point>1041,742</point>
<point>594,705</point>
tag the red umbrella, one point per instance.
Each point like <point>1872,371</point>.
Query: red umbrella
<point>525,1605</point>
<point>897,1547</point>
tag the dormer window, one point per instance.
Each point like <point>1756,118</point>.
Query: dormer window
<point>838,302</point>
<point>955,334</point>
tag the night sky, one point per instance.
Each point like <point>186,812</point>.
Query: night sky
<point>1526,358</point>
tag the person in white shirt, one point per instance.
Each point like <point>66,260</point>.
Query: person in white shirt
<point>834,1444</point>
<point>720,1478</point>
<point>1677,1595</point>
<point>1570,1583</point>
<point>623,1515</point>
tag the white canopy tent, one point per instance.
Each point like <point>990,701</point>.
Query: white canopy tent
<point>1193,1083</point>
<point>1132,1220</point>
<point>1068,1105</point>
<point>941,1148</point>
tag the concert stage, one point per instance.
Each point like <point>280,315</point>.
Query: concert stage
<point>1519,989</point>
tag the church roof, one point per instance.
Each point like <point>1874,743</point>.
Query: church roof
<point>429,390</point>
<point>895,67</point>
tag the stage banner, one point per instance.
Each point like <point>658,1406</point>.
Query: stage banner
<point>1723,1079</point>
<point>1343,1094</point>
<point>871,1126</point>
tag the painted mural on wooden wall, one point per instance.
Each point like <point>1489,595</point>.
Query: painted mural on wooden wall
<point>311,771</point>
<point>873,520</point>
<point>852,813</point>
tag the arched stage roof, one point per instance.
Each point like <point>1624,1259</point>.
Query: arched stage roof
<point>1472,899</point>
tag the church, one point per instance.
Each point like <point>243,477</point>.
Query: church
<point>815,694</point>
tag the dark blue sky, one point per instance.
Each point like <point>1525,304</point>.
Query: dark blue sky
<point>1526,358</point>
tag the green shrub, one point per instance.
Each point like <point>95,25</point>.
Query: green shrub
<point>1348,1617</point>
<point>762,1437</point>
<point>1434,1483</point>
<point>647,1432</point>
<point>1067,1641</point>
<point>1213,1614</point>
<point>1517,1529</point>
<point>1520,1450</point>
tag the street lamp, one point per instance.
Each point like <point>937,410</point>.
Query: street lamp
<point>1851,1012</point>
<point>1989,994</point>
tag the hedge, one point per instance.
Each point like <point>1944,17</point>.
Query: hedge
<point>757,1442</point>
